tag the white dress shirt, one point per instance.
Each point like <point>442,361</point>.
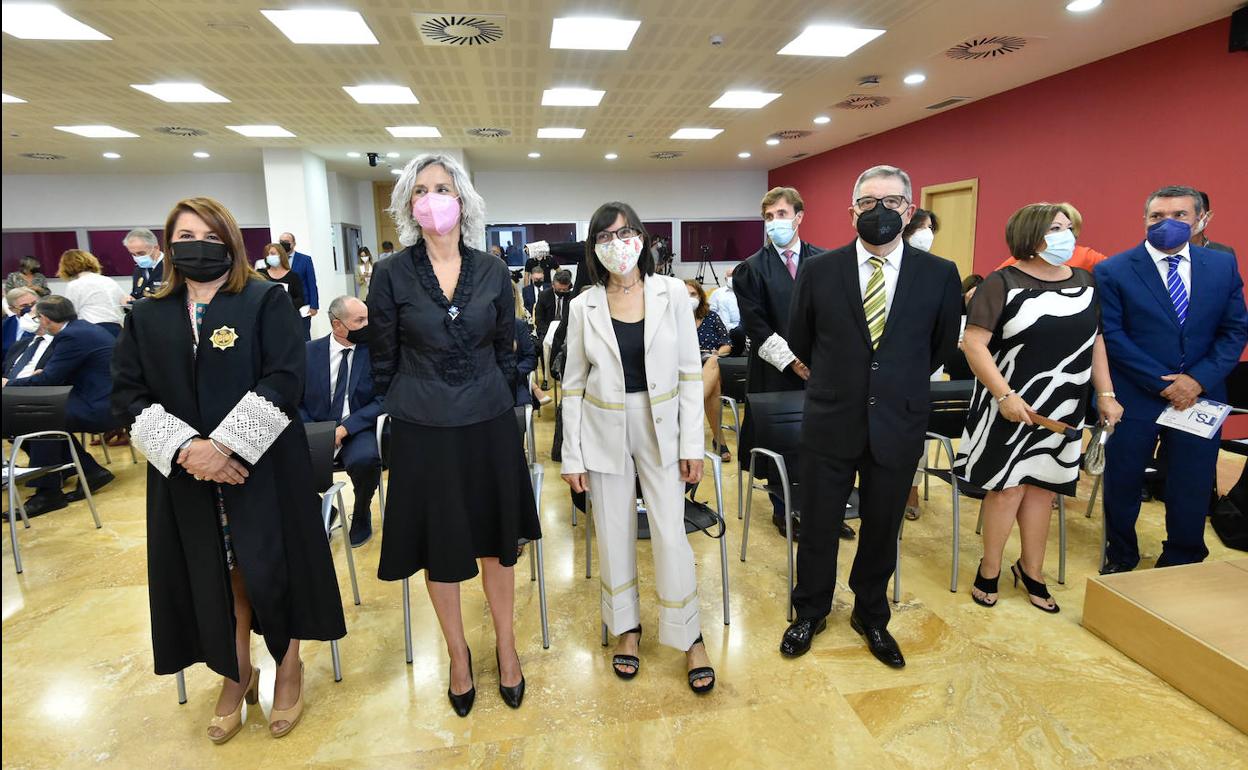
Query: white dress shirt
<point>892,268</point>
<point>96,298</point>
<point>1163,265</point>
<point>39,343</point>
<point>796,248</point>
<point>336,349</point>
<point>724,303</point>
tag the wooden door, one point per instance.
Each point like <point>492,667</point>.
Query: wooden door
<point>954,205</point>
<point>385,225</point>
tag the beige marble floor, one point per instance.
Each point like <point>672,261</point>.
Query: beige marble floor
<point>1000,688</point>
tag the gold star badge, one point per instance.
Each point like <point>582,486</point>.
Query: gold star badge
<point>224,338</point>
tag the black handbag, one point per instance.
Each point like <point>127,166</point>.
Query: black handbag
<point>1230,515</point>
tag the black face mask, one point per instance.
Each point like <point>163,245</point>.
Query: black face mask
<point>201,261</point>
<point>290,247</point>
<point>358,336</point>
<point>562,292</point>
<point>880,225</point>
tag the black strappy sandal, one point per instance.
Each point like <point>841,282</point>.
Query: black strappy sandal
<point>987,585</point>
<point>628,660</point>
<point>1035,589</point>
<point>701,672</point>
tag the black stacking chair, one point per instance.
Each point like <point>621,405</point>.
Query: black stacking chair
<point>36,413</point>
<point>732,392</point>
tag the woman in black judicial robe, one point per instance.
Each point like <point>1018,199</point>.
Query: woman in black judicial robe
<point>211,371</point>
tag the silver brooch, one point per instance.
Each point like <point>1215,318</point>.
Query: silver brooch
<point>453,312</point>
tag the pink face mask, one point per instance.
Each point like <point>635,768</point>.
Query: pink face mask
<point>437,212</point>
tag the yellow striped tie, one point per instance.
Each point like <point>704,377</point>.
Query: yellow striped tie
<point>873,303</point>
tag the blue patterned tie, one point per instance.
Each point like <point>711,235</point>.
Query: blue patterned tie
<point>1178,292</point>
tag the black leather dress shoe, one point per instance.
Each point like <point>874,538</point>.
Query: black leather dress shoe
<point>881,643</point>
<point>1114,567</point>
<point>779,522</point>
<point>797,637</point>
<point>96,481</point>
<point>44,502</point>
<point>361,529</point>
<point>847,533</point>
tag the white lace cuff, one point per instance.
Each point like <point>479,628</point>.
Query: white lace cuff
<point>158,434</point>
<point>775,351</point>
<point>251,427</point>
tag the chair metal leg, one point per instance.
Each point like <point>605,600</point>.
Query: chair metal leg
<point>897,566</point>
<point>541,596</point>
<point>17,551</point>
<point>381,495</point>
<point>336,658</point>
<point>1061,539</point>
<point>927,462</point>
<point>180,677</point>
<point>741,483</point>
<point>749,503</point>
<point>108,460</point>
<point>589,550</point>
<point>604,634</point>
<point>957,517</point>
<point>133,457</point>
<point>717,469</point>
<point>346,546</point>
<point>407,619</point>
<point>86,488</point>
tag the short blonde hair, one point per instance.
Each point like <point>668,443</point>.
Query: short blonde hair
<point>1072,213</point>
<point>789,194</point>
<point>76,261</point>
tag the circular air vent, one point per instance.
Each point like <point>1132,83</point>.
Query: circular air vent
<point>666,155</point>
<point>862,102</point>
<point>792,133</point>
<point>489,133</point>
<point>460,30</point>
<point>42,156</point>
<point>986,47</point>
<point>181,131</point>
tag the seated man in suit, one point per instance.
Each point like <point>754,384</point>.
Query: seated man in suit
<point>21,324</point>
<point>79,355</point>
<point>339,387</point>
<point>531,291</point>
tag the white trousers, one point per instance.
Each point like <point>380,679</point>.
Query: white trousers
<point>615,519</point>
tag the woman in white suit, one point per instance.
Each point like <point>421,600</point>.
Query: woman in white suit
<point>632,409</point>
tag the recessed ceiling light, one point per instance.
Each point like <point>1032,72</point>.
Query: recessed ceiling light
<point>353,155</point>
<point>1079,6</point>
<point>392,155</point>
<point>97,132</point>
<point>111,155</point>
<point>914,78</point>
<point>414,132</point>
<point>181,92</point>
<point>396,171</point>
<point>744,100</point>
<point>571,97</point>
<point>382,94</point>
<point>265,132</point>
<point>323,26</point>
<point>9,99</point>
<point>697,133</point>
<point>743,155</point>
<point>611,156</point>
<point>593,34</point>
<point>560,133</point>
<point>821,120</point>
<point>773,141</point>
<point>201,154</point>
<point>829,40</point>
<point>535,155</point>
<point>39,21</point>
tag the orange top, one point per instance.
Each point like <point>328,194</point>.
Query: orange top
<point>1084,258</point>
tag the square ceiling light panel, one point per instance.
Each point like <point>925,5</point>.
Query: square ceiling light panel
<point>414,132</point>
<point>10,99</point>
<point>560,133</point>
<point>571,97</point>
<point>97,132</point>
<point>744,100</point>
<point>593,34</point>
<point>262,132</point>
<point>829,40</point>
<point>181,92</point>
<point>323,27</point>
<point>40,21</point>
<point>382,94</point>
<point>697,133</point>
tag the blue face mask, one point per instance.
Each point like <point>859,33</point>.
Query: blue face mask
<point>781,232</point>
<point>273,260</point>
<point>1169,234</point>
<point>1059,247</point>
<point>144,261</point>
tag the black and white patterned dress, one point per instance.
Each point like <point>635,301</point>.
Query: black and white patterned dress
<point>1042,338</point>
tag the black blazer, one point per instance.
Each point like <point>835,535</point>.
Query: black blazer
<point>17,349</point>
<point>858,398</point>
<point>315,406</point>
<point>79,356</point>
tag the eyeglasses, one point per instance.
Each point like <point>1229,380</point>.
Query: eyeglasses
<point>624,232</point>
<point>893,202</point>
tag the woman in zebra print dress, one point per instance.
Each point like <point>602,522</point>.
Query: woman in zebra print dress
<point>1033,341</point>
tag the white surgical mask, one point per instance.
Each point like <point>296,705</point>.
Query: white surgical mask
<point>620,255</point>
<point>1059,247</point>
<point>922,239</point>
<point>781,232</point>
<point>273,260</point>
<point>28,323</point>
<point>693,303</point>
<point>729,282</point>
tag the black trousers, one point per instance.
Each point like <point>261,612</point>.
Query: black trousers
<point>825,488</point>
<point>44,452</point>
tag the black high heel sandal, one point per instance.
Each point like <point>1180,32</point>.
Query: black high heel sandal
<point>1035,589</point>
<point>628,660</point>
<point>462,703</point>
<point>987,585</point>
<point>512,696</point>
<point>701,672</point>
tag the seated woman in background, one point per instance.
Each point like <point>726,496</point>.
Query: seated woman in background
<point>277,269</point>
<point>96,298</point>
<point>714,343</point>
<point>27,276</point>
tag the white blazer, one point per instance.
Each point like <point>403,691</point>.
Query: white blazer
<point>593,380</point>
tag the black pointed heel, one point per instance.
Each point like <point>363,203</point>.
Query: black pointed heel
<point>462,703</point>
<point>1035,589</point>
<point>701,672</point>
<point>987,585</point>
<point>512,696</point>
<point>627,660</point>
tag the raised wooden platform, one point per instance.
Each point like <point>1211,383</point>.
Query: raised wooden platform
<point>1188,625</point>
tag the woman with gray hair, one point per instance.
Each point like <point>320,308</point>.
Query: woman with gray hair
<point>442,316</point>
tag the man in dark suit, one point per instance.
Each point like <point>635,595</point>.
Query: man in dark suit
<point>533,289</point>
<point>149,263</point>
<point>874,319</point>
<point>302,266</point>
<point>339,387</point>
<point>79,355</point>
<point>1175,326</point>
<point>20,324</point>
<point>552,303</point>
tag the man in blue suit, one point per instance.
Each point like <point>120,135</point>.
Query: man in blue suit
<point>79,355</point>
<point>302,265</point>
<point>20,324</point>
<point>1175,326</point>
<point>339,387</point>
